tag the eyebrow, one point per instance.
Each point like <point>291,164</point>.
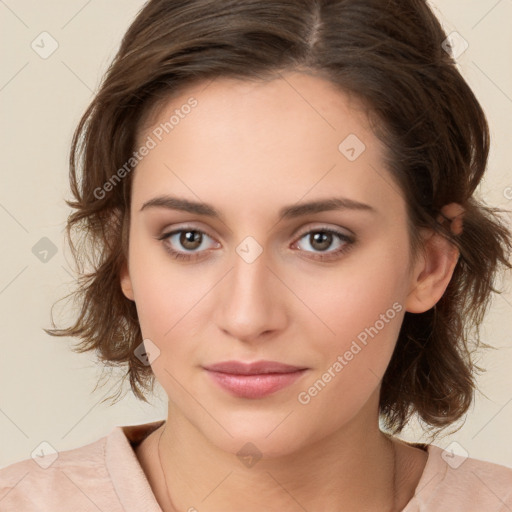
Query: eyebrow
<point>287,212</point>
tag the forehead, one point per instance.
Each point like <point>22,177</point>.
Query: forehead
<point>262,142</point>
<point>300,93</point>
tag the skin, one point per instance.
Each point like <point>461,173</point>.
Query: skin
<point>249,149</point>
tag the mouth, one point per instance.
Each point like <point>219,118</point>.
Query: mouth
<point>253,380</point>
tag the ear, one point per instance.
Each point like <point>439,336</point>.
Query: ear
<point>431,273</point>
<point>126,282</point>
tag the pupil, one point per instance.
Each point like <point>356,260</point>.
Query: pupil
<point>188,239</point>
<point>323,238</point>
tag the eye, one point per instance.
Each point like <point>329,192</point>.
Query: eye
<point>190,239</point>
<point>321,239</point>
<point>188,243</point>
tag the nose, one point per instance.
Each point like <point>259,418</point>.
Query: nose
<point>252,300</point>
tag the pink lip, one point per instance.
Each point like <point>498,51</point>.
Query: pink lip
<point>253,380</point>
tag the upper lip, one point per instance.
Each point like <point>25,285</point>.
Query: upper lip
<point>256,368</point>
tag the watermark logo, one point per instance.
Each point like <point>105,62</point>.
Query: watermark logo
<point>454,455</point>
<point>147,352</point>
<point>249,455</point>
<point>44,455</point>
<point>455,45</point>
<point>44,250</point>
<point>249,249</point>
<point>352,147</point>
<point>44,45</point>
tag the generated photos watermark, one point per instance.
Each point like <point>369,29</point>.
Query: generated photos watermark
<point>150,143</point>
<point>304,397</point>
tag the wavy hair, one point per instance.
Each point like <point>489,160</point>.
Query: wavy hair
<point>391,56</point>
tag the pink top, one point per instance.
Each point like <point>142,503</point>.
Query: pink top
<point>106,476</point>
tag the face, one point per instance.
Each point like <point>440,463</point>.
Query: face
<point>323,289</point>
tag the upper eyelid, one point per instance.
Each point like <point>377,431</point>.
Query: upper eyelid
<point>324,227</point>
<point>184,227</point>
<point>318,227</point>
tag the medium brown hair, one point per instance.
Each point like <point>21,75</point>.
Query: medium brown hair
<point>390,56</point>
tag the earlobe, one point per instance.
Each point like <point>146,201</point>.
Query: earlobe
<point>126,282</point>
<point>432,273</point>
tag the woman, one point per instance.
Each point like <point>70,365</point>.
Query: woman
<point>276,199</point>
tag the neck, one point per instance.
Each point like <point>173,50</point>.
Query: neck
<point>352,469</point>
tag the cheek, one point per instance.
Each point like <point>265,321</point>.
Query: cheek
<point>173,307</point>
<point>362,306</point>
<point>367,290</point>
<point>366,322</point>
<point>161,294</point>
<point>164,307</point>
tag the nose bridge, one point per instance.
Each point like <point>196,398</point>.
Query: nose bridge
<point>250,274</point>
<point>248,306</point>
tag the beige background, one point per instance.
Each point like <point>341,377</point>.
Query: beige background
<point>46,391</point>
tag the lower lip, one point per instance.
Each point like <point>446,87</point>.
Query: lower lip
<point>254,386</point>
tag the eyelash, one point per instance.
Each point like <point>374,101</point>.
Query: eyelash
<point>349,241</point>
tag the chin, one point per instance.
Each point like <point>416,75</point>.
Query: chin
<point>264,437</point>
